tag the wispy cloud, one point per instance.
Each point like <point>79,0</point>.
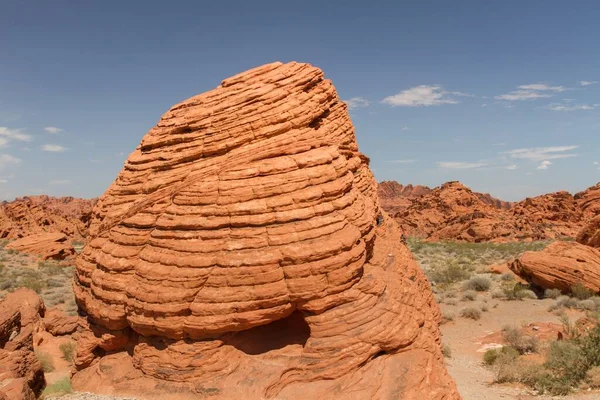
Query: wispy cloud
<point>7,159</point>
<point>543,87</point>
<point>520,95</point>
<point>52,129</point>
<point>544,165</point>
<point>3,181</point>
<point>7,135</point>
<point>542,153</point>
<point>461,165</point>
<point>402,161</point>
<point>60,182</point>
<point>587,83</point>
<point>54,148</point>
<point>357,102</point>
<point>421,96</point>
<point>511,167</point>
<point>531,92</point>
<point>569,107</point>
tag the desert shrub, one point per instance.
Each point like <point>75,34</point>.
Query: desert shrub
<point>68,351</point>
<point>58,388</point>
<point>484,308</point>
<point>478,283</point>
<point>448,316</point>
<point>471,313</point>
<point>564,302</point>
<point>33,280</point>
<point>526,294</point>
<point>520,342</point>
<point>567,361</point>
<point>504,354</point>
<point>552,293</point>
<point>515,292</point>
<point>46,361</point>
<point>498,294</point>
<point>451,302</point>
<point>50,269</point>
<point>592,377</point>
<point>581,292</point>
<point>469,295</point>
<point>446,351</point>
<point>507,277</point>
<point>11,251</point>
<point>450,273</point>
<point>587,305</point>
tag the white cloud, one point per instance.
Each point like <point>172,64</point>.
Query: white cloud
<point>575,107</point>
<point>7,135</point>
<point>511,167</point>
<point>587,83</point>
<point>402,161</point>
<point>520,95</point>
<point>419,96</point>
<point>543,87</point>
<point>3,181</point>
<point>357,102</point>
<point>7,159</point>
<point>462,94</point>
<point>405,128</point>
<point>53,148</point>
<point>60,182</point>
<point>460,165</point>
<point>531,92</point>
<point>542,153</point>
<point>52,129</point>
<point>544,165</point>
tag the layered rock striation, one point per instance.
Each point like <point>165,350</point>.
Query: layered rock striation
<point>54,246</point>
<point>241,251</point>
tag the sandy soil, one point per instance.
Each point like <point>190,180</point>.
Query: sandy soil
<point>464,336</point>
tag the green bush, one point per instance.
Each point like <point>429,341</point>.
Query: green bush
<point>477,283</point>
<point>46,361</point>
<point>68,351</point>
<point>471,313</point>
<point>447,316</point>
<point>581,292</point>
<point>504,354</point>
<point>58,388</point>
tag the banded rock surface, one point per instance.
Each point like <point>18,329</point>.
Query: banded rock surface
<point>241,252</point>
<point>54,246</point>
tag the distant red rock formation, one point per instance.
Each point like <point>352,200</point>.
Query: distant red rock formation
<point>55,246</point>
<point>454,212</point>
<point>395,197</point>
<point>44,214</point>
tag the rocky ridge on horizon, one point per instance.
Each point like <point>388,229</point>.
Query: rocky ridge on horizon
<point>452,211</point>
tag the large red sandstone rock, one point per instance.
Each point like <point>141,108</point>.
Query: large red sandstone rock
<point>241,253</point>
<point>54,246</point>
<point>590,234</point>
<point>41,214</point>
<point>58,323</point>
<point>561,265</point>
<point>21,374</point>
<point>589,201</point>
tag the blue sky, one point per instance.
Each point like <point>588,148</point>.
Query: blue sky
<point>499,95</point>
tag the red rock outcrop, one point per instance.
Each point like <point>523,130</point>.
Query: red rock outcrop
<point>590,234</point>
<point>54,246</point>
<point>395,197</point>
<point>454,212</point>
<point>561,265</point>
<point>555,214</point>
<point>43,214</point>
<point>241,253</point>
<point>589,201</point>
<point>21,374</point>
<point>57,323</point>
